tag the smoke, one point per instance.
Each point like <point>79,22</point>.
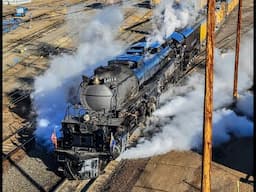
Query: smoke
<point>60,82</point>
<point>77,20</point>
<point>97,43</point>
<point>170,15</point>
<point>245,104</point>
<point>227,123</point>
<point>178,123</point>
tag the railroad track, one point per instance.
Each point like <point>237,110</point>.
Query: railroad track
<point>22,95</point>
<point>38,34</point>
<point>225,42</point>
<point>145,18</point>
<point>9,14</point>
<point>39,5</point>
<point>33,36</point>
<point>44,16</point>
<point>20,139</point>
<point>27,40</point>
<point>66,185</point>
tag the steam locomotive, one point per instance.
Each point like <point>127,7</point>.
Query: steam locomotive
<point>120,96</point>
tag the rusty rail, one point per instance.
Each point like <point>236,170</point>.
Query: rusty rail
<point>17,142</point>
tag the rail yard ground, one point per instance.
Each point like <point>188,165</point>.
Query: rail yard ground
<point>26,53</point>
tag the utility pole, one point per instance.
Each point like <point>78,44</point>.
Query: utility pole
<point>239,20</point>
<point>208,100</point>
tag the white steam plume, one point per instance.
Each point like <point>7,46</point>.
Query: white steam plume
<point>97,44</point>
<point>180,119</point>
<point>166,18</point>
<point>52,89</point>
<point>245,104</point>
<point>77,20</point>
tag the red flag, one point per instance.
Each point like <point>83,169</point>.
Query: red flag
<point>54,138</point>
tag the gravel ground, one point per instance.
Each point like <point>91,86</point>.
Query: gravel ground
<point>33,173</point>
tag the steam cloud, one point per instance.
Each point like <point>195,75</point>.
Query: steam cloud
<point>178,123</point>
<point>245,104</point>
<point>180,118</point>
<point>52,89</point>
<point>166,18</point>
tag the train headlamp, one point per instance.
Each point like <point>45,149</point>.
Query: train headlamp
<point>96,81</point>
<point>87,117</point>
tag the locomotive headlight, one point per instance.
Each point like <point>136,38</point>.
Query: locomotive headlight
<point>87,117</point>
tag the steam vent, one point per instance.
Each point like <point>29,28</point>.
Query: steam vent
<point>127,96</point>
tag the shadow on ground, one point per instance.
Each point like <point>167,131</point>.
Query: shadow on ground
<point>145,4</point>
<point>21,104</point>
<point>237,154</point>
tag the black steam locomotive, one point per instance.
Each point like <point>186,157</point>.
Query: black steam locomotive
<point>117,98</point>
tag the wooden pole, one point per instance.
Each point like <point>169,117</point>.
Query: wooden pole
<point>208,99</point>
<point>239,20</point>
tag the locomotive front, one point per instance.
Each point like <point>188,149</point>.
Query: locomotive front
<point>90,133</point>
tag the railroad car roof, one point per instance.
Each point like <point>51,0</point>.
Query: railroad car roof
<point>187,31</point>
<point>128,57</point>
<point>134,51</point>
<point>155,44</point>
<point>176,36</point>
<point>143,44</point>
<point>150,62</point>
